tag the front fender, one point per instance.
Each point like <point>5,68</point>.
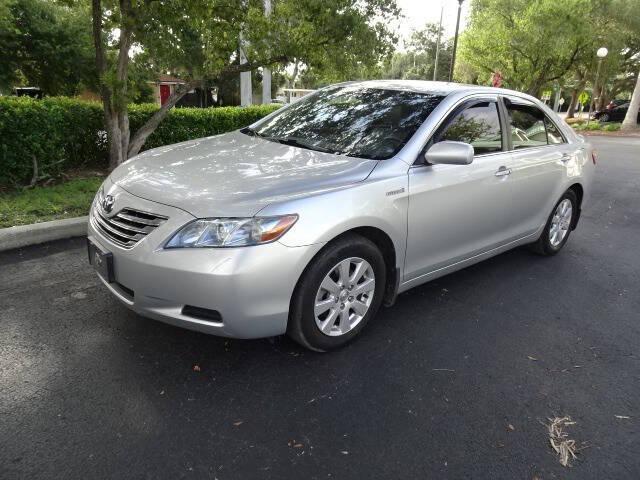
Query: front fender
<point>380,202</point>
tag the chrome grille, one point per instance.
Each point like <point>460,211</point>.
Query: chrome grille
<point>127,227</point>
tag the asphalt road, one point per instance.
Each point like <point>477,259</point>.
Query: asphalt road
<point>430,390</point>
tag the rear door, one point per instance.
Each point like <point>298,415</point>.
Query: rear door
<point>541,156</point>
<point>458,211</point>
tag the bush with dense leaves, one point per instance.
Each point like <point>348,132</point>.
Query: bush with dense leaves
<point>60,133</point>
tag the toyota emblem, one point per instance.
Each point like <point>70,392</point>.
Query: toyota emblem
<point>107,203</point>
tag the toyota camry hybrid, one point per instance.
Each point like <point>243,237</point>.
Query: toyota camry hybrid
<point>310,219</point>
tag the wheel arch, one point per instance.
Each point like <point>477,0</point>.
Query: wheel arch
<point>579,191</point>
<point>385,244</point>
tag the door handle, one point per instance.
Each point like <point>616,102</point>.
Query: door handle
<point>565,157</point>
<point>503,171</point>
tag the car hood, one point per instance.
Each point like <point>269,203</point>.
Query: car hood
<point>234,174</point>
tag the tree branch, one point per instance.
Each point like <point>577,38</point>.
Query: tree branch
<point>138,139</point>
<point>237,68</point>
<point>125,41</point>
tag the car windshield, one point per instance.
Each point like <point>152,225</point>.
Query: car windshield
<point>361,122</point>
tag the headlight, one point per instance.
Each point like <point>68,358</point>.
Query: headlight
<point>231,232</point>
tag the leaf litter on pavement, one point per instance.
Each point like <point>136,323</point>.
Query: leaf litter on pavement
<point>564,446</point>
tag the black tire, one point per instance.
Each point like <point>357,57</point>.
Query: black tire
<point>604,118</point>
<point>543,245</point>
<point>302,325</point>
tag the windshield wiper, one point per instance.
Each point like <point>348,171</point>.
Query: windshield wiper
<point>291,141</point>
<point>252,132</point>
<point>296,142</point>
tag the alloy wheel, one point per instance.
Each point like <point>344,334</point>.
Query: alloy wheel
<point>560,223</point>
<point>344,296</point>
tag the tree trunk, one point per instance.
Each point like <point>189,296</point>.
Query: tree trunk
<point>114,96</point>
<point>602,92</point>
<point>631,118</point>
<point>571,111</point>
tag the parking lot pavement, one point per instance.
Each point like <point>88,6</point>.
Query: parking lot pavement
<point>455,381</point>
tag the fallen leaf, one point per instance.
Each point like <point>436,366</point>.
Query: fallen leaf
<point>344,452</point>
<point>560,441</point>
<point>532,358</point>
<point>298,445</point>
<point>511,427</point>
<point>238,423</point>
<point>196,368</point>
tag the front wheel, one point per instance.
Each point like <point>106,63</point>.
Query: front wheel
<point>339,292</point>
<point>558,227</point>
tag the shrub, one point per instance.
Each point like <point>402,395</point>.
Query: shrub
<point>611,127</point>
<point>591,126</point>
<point>61,133</point>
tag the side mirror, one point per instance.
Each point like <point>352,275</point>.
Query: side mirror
<point>449,153</point>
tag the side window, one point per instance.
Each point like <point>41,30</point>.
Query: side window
<point>527,126</point>
<point>478,125</point>
<point>553,134</point>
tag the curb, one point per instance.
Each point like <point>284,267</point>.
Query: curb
<point>25,235</point>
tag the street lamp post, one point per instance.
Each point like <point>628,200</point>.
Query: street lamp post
<point>435,65</point>
<point>455,41</point>
<point>601,53</point>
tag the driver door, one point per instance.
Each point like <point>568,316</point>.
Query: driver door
<point>458,211</point>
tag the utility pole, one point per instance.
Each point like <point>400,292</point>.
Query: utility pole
<point>435,66</point>
<point>455,41</point>
<point>266,71</point>
<point>246,94</point>
<point>601,53</point>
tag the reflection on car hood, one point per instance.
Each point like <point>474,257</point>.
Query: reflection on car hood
<point>234,174</point>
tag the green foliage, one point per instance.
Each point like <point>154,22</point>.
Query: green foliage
<point>418,63</point>
<point>188,123</point>
<point>62,133</point>
<point>199,39</point>
<point>531,42</point>
<point>594,126</point>
<point>591,126</point>
<point>40,204</point>
<point>57,132</point>
<point>45,44</point>
<point>611,127</point>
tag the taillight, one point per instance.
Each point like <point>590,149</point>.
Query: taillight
<point>593,156</point>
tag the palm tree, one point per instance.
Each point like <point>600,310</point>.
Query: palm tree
<point>631,118</point>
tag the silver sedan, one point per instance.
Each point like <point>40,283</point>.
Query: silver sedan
<point>309,220</point>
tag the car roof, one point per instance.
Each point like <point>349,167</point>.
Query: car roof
<point>437,88</point>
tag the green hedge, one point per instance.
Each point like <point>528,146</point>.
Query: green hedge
<point>63,133</point>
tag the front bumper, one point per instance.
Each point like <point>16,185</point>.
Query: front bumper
<point>251,287</point>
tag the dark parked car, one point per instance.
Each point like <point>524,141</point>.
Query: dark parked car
<point>615,114</point>
<point>616,102</point>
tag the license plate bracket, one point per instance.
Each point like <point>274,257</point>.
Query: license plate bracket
<point>101,261</point>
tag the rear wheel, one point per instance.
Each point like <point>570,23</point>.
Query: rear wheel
<point>339,292</point>
<point>558,228</point>
<point>604,118</point>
